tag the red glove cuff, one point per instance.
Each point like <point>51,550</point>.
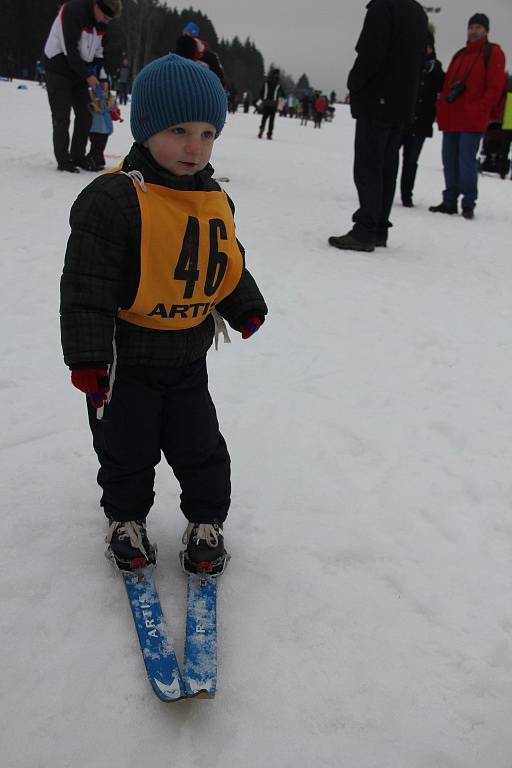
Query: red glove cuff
<point>93,381</point>
<point>250,325</point>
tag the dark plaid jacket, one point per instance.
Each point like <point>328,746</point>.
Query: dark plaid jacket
<point>102,269</point>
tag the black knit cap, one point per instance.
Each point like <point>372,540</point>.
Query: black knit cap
<point>479,18</point>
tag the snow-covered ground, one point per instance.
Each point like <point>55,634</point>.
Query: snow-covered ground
<point>366,616</point>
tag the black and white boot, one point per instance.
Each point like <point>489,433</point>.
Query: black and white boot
<point>129,546</point>
<point>205,552</point>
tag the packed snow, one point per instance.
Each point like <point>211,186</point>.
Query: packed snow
<point>365,619</point>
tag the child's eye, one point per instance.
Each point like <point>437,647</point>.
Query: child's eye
<point>178,130</point>
<point>208,135</point>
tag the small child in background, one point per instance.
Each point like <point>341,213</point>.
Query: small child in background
<point>104,110</point>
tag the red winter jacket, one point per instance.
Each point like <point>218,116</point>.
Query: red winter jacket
<point>471,111</point>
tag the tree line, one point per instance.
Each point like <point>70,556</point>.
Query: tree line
<point>146,30</point>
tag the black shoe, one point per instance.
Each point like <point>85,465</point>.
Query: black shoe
<point>86,163</point>
<point>205,552</point>
<point>407,203</point>
<point>381,243</point>
<point>128,545</point>
<point>269,136</point>
<point>69,167</point>
<point>260,134</point>
<point>468,213</point>
<point>349,243</point>
<point>443,208</point>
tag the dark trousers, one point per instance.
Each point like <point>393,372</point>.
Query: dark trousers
<point>375,170</point>
<point>154,411</point>
<point>460,165</point>
<point>123,93</point>
<point>412,146</point>
<point>270,114</point>
<point>65,95</point>
<point>97,148</point>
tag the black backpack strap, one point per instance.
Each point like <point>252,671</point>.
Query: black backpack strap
<point>488,53</point>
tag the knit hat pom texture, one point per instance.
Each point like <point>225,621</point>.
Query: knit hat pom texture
<point>173,90</point>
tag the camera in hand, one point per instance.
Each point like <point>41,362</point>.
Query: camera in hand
<point>455,91</point>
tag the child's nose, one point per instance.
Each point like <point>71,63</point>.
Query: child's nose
<point>193,146</point>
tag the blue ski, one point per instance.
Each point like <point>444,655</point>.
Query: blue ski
<point>155,641</point>
<point>200,664</point>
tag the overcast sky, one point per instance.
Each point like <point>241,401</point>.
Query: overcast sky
<point>318,36</point>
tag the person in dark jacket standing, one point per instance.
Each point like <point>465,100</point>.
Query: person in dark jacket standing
<point>270,94</point>
<point>413,138</point>
<point>191,46</point>
<point>73,56</point>
<point>153,262</point>
<point>473,85</point>
<point>383,85</point>
<point>124,76</point>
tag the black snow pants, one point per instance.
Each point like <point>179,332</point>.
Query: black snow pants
<point>154,411</point>
<point>270,114</point>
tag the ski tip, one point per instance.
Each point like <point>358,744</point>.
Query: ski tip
<point>172,691</point>
<point>205,695</point>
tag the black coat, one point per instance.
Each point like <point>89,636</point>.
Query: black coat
<point>384,80</point>
<point>270,93</point>
<point>431,85</point>
<point>102,271</point>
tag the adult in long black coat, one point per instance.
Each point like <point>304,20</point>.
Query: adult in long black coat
<point>413,138</point>
<point>383,85</point>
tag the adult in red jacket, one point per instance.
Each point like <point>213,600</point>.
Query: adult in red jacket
<point>472,87</point>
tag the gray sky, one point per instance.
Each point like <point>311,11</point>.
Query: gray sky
<point>318,36</point>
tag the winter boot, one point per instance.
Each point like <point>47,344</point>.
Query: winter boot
<point>468,213</point>
<point>128,545</point>
<point>205,550</point>
<point>443,208</point>
<point>69,167</point>
<point>349,243</point>
<point>85,163</point>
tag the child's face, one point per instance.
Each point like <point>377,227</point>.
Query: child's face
<point>183,149</point>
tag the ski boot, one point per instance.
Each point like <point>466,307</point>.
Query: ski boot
<point>128,545</point>
<point>205,552</point>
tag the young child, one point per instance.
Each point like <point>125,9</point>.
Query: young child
<point>152,253</point>
<point>104,111</point>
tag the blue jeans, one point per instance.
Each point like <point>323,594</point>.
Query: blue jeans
<point>460,166</point>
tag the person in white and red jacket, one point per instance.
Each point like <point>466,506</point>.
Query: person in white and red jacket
<point>472,88</point>
<point>73,57</point>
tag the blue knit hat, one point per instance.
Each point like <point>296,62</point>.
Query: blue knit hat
<point>173,90</point>
<point>192,29</point>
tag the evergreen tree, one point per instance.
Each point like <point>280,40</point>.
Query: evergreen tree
<point>303,85</point>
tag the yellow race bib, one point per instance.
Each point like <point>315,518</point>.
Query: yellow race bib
<point>189,257</point>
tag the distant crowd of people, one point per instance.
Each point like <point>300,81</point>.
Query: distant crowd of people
<point>313,105</point>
